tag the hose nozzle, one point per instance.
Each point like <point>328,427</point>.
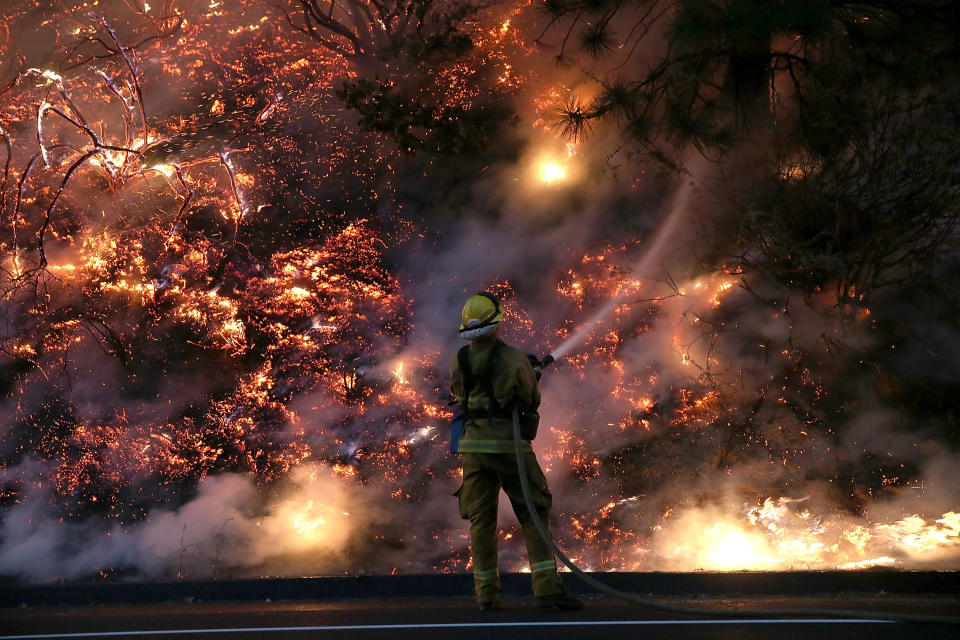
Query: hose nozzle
<point>539,364</point>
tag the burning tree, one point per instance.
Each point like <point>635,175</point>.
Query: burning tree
<point>158,279</point>
<point>714,60</point>
<point>399,30</point>
<point>812,115</point>
<point>394,51</point>
<point>831,99</point>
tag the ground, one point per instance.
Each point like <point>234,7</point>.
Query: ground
<point>409,607</point>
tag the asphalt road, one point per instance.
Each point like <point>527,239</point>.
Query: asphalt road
<point>446,618</point>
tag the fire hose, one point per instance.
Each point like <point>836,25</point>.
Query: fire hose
<point>696,611</point>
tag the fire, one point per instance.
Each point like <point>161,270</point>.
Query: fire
<point>552,172</point>
<point>555,166</point>
<point>918,537</point>
<point>781,534</point>
<point>306,521</point>
<point>730,549</point>
<point>398,373</point>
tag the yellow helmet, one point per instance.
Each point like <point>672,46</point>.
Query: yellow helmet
<point>480,315</point>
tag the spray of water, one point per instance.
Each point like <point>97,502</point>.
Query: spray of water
<point>652,255</point>
<point>577,338</point>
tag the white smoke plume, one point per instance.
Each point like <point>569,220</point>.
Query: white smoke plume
<point>303,527</point>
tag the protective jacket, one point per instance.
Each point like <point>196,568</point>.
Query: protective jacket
<point>489,464</point>
<point>512,380</point>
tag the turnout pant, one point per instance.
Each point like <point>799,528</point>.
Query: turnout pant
<point>484,474</point>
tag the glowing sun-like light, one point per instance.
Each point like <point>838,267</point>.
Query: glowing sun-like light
<point>553,172</point>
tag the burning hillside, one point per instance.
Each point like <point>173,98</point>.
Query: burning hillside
<point>232,254</point>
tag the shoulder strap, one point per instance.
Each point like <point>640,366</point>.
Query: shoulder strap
<point>487,377</point>
<point>463,361</point>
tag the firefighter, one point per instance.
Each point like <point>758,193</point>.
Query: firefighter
<point>488,378</point>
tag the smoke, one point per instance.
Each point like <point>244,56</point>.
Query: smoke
<point>305,525</point>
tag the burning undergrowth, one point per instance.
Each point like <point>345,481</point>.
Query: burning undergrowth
<point>228,312</point>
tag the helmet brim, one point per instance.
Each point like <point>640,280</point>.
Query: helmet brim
<point>478,332</point>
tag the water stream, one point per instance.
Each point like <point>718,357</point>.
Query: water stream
<point>652,255</point>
